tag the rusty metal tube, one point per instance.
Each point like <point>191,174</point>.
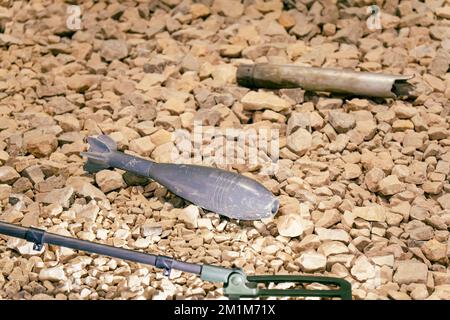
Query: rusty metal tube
<point>369,84</point>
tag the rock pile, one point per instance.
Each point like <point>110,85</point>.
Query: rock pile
<point>363,183</point>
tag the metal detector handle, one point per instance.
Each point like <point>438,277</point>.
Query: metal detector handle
<point>344,290</point>
<point>241,286</point>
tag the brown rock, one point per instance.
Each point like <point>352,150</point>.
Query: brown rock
<point>391,185</point>
<point>230,8</point>
<point>404,112</point>
<point>420,292</point>
<point>190,216</point>
<point>441,292</point>
<point>357,104</point>
<point>438,133</point>
<point>372,179</point>
<point>109,180</point>
<point>292,225</point>
<point>82,82</point>
<point>64,197</point>
<point>123,86</point>
<point>168,121</point>
<point>286,20</point>
<point>411,272</point>
<point>312,262</point>
<point>5,191</point>
<point>263,100</point>
<point>22,185</point>
<point>230,51</point>
<point>402,125</point>
<point>49,91</point>
<point>8,175</point>
<point>332,247</point>
<point>440,63</point>
<point>341,121</point>
<point>84,188</point>
<point>443,12</point>
<point>417,172</point>
<point>224,74</point>
<point>326,104</point>
<point>362,269</point>
<point>444,201</point>
<point>381,160</point>
<point>52,274</point>
<point>149,80</point>
<point>419,231</point>
<point>199,10</point>
<point>333,234</point>
<point>41,145</point>
<point>298,120</point>
<point>435,251</point>
<point>7,40</point>
<point>329,218</point>
<point>372,213</point>
<point>114,49</point>
<point>432,187</point>
<point>59,105</point>
<point>398,295</point>
<point>436,83</point>
<point>413,139</point>
<point>143,146</point>
<point>311,241</point>
<point>339,144</point>
<point>163,152</point>
<point>351,171</point>
<point>299,142</point>
<point>329,29</point>
<point>161,136</point>
<point>24,247</point>
<point>174,106</point>
<point>151,229</point>
<point>68,122</point>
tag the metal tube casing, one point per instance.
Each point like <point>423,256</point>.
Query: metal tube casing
<point>273,76</point>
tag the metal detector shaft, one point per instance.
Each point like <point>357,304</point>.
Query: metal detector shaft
<point>39,237</point>
<point>277,76</point>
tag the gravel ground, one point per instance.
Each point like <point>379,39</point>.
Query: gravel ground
<point>363,183</point>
